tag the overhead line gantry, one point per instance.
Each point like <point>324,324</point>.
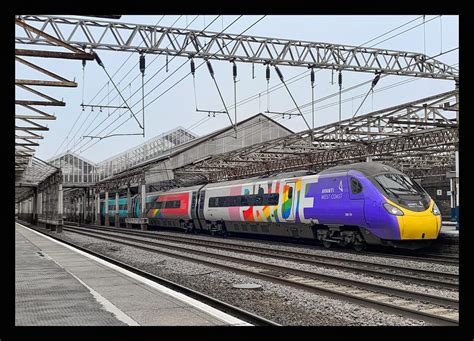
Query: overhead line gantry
<point>114,36</point>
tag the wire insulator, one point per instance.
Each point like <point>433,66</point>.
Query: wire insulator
<point>279,73</point>
<point>234,71</point>
<point>312,77</point>
<point>209,66</point>
<point>142,63</point>
<point>376,79</point>
<point>98,60</point>
<point>340,79</point>
<point>193,68</point>
<point>268,73</point>
<point>83,63</point>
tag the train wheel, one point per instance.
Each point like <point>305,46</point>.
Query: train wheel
<point>358,247</point>
<point>327,244</point>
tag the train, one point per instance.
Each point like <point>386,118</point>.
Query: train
<point>354,205</point>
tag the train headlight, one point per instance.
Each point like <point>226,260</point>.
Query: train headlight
<point>435,209</point>
<point>392,209</point>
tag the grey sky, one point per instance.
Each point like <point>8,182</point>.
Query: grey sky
<point>177,107</point>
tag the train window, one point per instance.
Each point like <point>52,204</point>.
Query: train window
<point>172,204</point>
<point>260,191</point>
<point>245,200</point>
<point>356,186</point>
<point>272,199</point>
<point>233,201</point>
<point>290,193</point>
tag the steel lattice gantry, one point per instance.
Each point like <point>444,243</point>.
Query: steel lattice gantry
<point>409,136</point>
<point>108,35</point>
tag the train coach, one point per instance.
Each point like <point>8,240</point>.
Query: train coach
<point>351,205</point>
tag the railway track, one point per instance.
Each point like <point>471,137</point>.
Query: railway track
<point>220,305</point>
<point>424,277</point>
<point>416,256</point>
<point>430,308</point>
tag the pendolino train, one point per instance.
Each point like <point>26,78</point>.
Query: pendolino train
<point>350,205</point>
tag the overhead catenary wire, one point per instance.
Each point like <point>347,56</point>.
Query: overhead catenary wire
<point>158,84</point>
<point>105,119</point>
<point>302,75</point>
<point>364,83</point>
<point>142,70</point>
<point>278,118</point>
<point>181,79</point>
<point>390,86</point>
<point>148,92</point>
<point>340,105</point>
<point>374,82</point>
<point>289,92</point>
<point>99,61</point>
<point>278,87</point>
<point>211,72</point>
<point>97,94</point>
<point>234,76</point>
<point>312,98</point>
<point>90,132</point>
<point>424,35</point>
<point>106,84</point>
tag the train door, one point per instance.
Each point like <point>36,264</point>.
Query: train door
<point>355,207</point>
<point>194,210</point>
<point>202,220</point>
<point>288,203</point>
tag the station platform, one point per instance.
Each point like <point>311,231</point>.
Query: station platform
<point>57,285</point>
<point>449,228</point>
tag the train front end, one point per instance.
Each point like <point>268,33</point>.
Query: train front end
<point>409,214</point>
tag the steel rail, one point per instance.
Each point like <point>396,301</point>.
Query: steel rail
<point>318,260</point>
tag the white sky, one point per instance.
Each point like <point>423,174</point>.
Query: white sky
<point>177,106</point>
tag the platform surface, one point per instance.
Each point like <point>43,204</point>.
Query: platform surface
<point>55,285</point>
<point>449,229</point>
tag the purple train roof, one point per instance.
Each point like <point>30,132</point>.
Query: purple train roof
<point>366,168</point>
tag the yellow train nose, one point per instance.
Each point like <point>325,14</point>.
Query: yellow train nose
<point>419,225</point>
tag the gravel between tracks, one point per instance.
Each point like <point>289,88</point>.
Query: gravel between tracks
<point>279,303</point>
<point>328,271</point>
<point>333,253</point>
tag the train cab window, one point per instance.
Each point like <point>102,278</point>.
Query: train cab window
<point>290,193</point>
<point>356,186</point>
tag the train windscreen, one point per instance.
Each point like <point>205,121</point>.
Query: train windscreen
<point>404,190</point>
